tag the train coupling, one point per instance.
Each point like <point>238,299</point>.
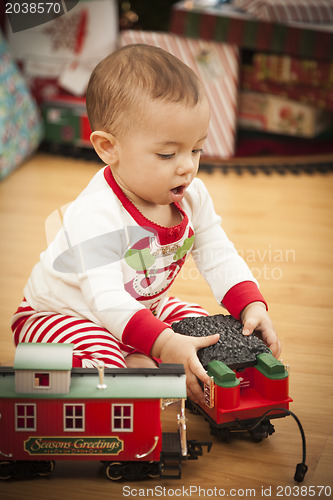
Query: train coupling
<point>195,448</point>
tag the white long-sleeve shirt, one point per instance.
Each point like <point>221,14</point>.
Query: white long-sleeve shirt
<point>111,265</point>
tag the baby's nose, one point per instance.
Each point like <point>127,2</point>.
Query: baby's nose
<point>186,166</point>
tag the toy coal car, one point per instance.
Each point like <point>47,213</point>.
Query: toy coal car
<point>248,385</point>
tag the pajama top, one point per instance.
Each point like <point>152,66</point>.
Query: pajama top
<point>110,264</point>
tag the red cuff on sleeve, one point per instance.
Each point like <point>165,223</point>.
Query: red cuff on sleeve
<point>241,295</point>
<point>142,330</point>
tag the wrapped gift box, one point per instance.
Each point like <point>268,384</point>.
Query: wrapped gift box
<point>271,113</point>
<point>57,57</point>
<point>225,23</point>
<point>315,96</point>
<point>20,123</point>
<point>217,66</point>
<point>313,11</point>
<point>292,70</point>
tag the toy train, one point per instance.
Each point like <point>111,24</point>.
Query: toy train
<point>248,385</point>
<point>51,411</point>
<point>246,379</point>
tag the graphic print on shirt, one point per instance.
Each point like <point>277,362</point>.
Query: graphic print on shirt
<point>155,265</point>
<point>148,267</point>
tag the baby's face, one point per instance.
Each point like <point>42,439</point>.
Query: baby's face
<point>159,159</point>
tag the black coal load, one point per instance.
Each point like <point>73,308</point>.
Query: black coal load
<point>233,348</point>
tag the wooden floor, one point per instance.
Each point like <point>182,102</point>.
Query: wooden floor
<point>282,225</point>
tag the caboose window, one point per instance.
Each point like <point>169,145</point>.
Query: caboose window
<point>42,380</point>
<point>74,417</point>
<point>122,418</point>
<point>25,417</point>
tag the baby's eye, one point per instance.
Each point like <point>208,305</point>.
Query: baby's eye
<point>166,156</point>
<point>197,151</point>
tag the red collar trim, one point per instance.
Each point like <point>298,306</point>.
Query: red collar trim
<point>165,234</point>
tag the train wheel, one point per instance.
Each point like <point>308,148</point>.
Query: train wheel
<point>134,471</point>
<point>223,434</point>
<point>6,470</point>
<point>191,407</point>
<point>114,471</point>
<point>262,431</point>
<point>46,468</point>
<point>154,470</point>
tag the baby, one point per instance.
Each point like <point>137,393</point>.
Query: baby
<point>103,283</point>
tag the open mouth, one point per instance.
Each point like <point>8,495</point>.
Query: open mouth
<point>178,190</point>
<point>177,193</point>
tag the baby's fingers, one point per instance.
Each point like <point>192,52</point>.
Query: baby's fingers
<point>274,344</point>
<point>249,326</point>
<point>194,391</point>
<point>201,342</point>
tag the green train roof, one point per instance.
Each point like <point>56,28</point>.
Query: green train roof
<point>37,356</point>
<point>168,381</point>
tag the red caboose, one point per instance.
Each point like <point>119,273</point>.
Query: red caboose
<point>50,411</point>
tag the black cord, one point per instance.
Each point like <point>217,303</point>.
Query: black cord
<point>301,468</point>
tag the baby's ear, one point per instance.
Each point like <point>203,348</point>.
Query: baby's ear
<point>105,146</point>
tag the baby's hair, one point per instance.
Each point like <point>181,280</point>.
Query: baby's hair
<point>124,79</point>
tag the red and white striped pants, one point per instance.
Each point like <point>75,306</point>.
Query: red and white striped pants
<point>92,342</point>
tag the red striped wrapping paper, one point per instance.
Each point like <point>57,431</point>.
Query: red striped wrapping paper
<point>217,66</point>
<point>229,25</point>
<point>315,11</point>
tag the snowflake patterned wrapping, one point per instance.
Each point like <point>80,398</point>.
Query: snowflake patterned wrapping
<point>233,348</point>
<point>20,122</point>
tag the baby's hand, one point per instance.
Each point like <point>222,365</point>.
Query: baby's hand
<point>173,347</point>
<point>255,318</point>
